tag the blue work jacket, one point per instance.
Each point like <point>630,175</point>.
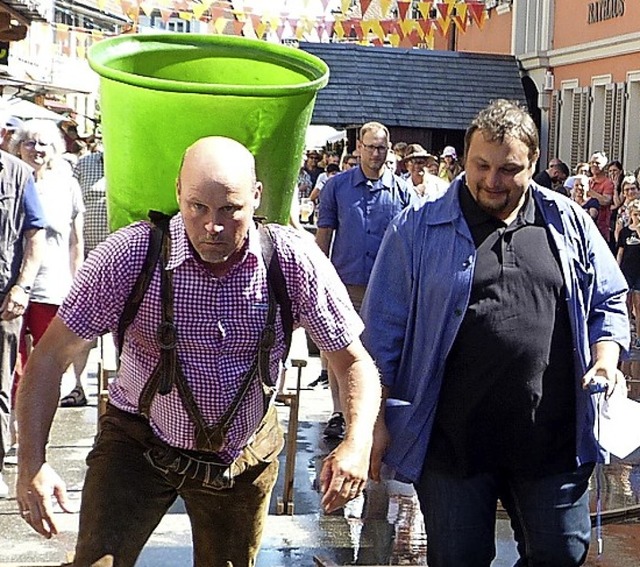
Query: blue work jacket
<point>419,292</point>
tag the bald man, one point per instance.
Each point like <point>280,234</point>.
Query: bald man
<point>150,449</point>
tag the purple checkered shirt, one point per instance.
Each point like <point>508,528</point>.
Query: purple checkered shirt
<point>218,320</point>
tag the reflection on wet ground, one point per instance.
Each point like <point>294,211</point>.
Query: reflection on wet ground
<point>384,527</point>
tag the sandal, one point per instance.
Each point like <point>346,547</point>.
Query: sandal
<point>74,399</point>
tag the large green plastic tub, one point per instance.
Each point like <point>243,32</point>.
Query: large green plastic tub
<point>162,92</point>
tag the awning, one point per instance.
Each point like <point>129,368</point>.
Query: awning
<point>319,135</point>
<point>15,87</point>
<point>27,110</point>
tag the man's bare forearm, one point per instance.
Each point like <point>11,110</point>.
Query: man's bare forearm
<point>39,392</point>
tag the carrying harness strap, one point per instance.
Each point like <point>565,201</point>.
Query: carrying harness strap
<point>208,438</point>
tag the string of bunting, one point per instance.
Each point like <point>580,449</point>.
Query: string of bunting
<point>401,23</point>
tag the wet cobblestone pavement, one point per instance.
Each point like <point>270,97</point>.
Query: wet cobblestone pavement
<point>383,528</point>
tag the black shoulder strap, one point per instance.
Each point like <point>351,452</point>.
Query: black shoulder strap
<point>277,284</point>
<point>159,227</point>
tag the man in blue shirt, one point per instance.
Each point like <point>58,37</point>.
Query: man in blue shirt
<point>356,206</point>
<point>489,312</point>
<point>22,226</point>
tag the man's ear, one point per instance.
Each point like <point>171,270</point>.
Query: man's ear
<point>534,160</point>
<point>257,195</point>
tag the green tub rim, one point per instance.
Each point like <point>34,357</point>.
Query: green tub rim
<point>296,59</point>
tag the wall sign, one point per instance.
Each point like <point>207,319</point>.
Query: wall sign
<point>605,10</point>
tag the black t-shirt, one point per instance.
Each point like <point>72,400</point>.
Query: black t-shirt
<point>508,395</point>
<point>629,241</point>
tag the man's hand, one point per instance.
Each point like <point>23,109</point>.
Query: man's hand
<point>604,369</point>
<point>344,475</point>
<point>14,304</point>
<point>33,495</point>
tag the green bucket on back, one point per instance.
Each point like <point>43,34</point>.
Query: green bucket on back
<point>159,93</point>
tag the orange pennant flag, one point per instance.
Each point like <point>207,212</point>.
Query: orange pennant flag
<point>403,8</point>
<point>425,28</point>
<point>444,10</point>
<point>165,14</point>
<point>478,13</point>
<point>237,27</point>
<point>364,6</point>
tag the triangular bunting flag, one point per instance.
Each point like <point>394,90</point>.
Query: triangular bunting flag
<point>248,30</point>
<point>377,30</point>
<point>185,16</point>
<point>394,39</point>
<point>385,6</point>
<point>460,17</point>
<point>444,11</point>
<point>424,8</point>
<point>426,26</point>
<point>478,13</point>
<point>357,28</point>
<point>403,8</point>
<point>199,10</point>
<point>364,6</point>
<point>220,25</point>
<point>442,25</point>
<point>147,8</point>
<point>344,6</point>
<point>339,29</point>
<point>325,3</point>
<point>165,14</point>
<point>329,28</point>
<point>261,28</point>
<point>387,26</point>
<point>407,26</point>
<point>237,27</point>
<point>216,12</point>
<point>366,27</point>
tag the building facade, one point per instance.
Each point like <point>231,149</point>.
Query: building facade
<point>581,65</point>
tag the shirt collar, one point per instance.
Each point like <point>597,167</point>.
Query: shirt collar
<point>386,179</point>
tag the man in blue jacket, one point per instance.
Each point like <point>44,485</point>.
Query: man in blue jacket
<point>489,312</point>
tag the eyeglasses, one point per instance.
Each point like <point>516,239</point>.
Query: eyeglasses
<point>371,148</point>
<point>31,144</point>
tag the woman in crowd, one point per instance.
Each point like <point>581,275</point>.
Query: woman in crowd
<point>40,144</point>
<point>578,187</point>
<point>630,192</point>
<point>629,259</point>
